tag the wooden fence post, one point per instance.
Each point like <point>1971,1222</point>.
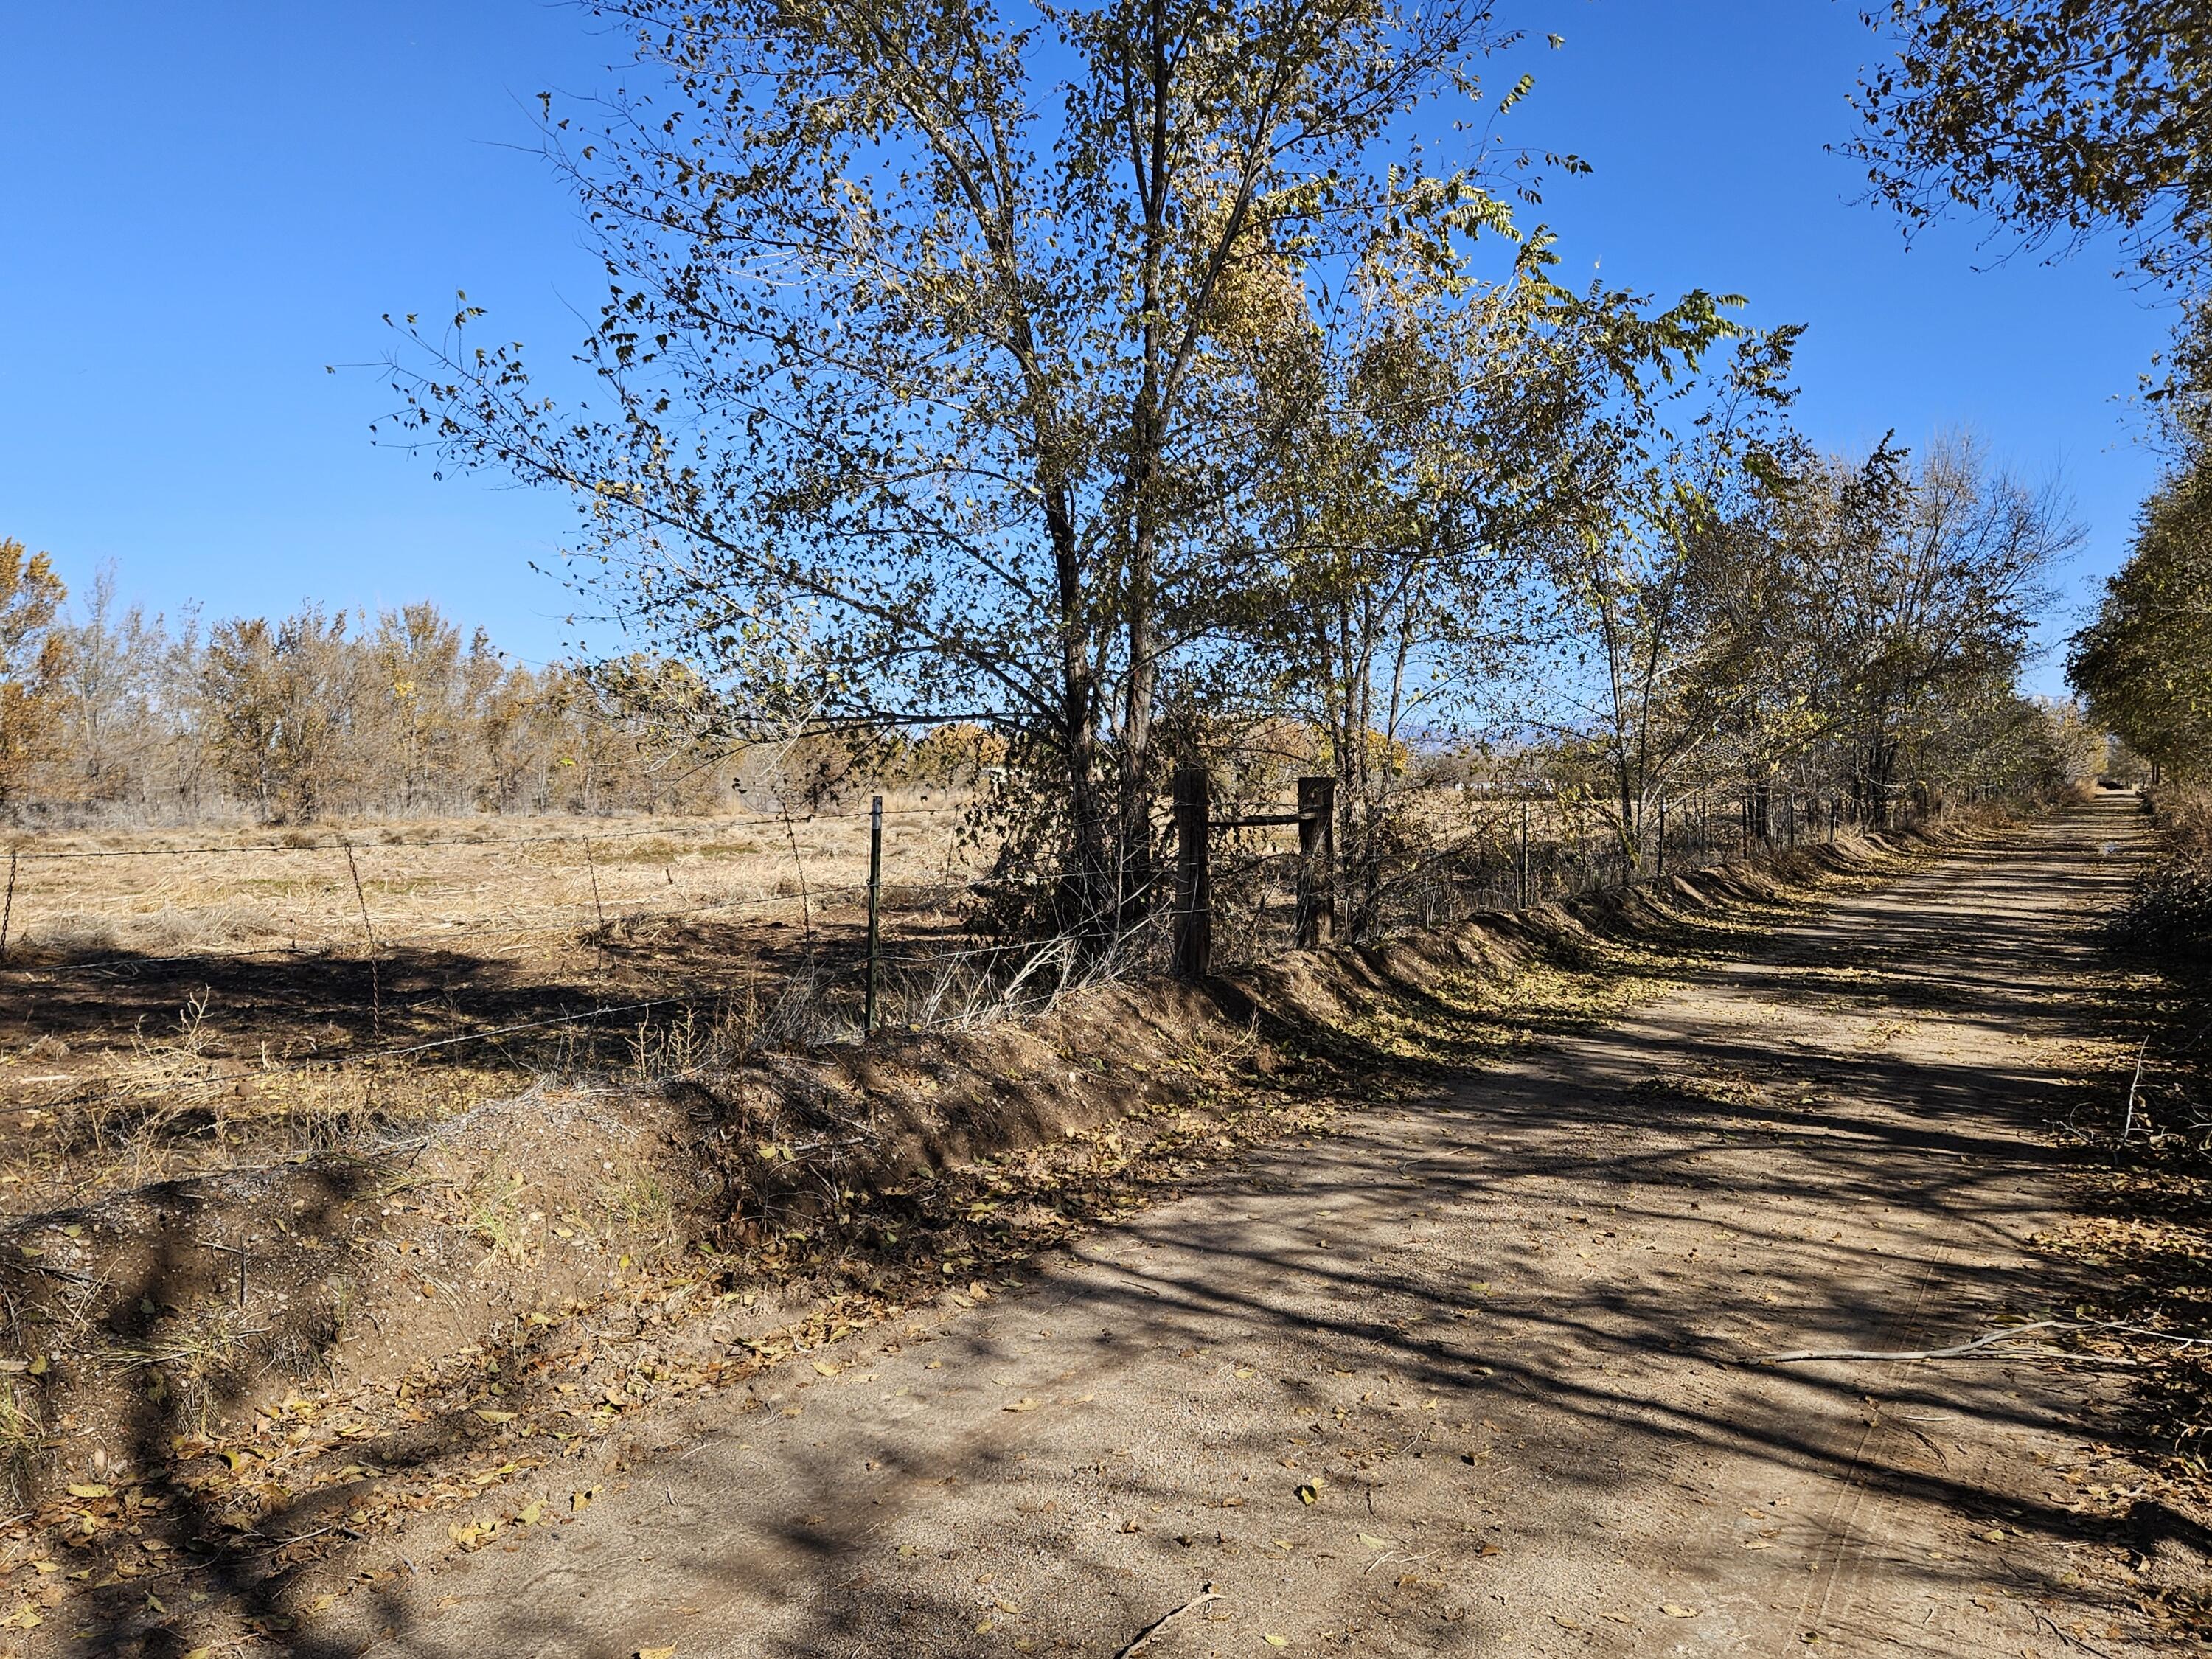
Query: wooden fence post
<point>875,903</point>
<point>1316,909</point>
<point>1524,855</point>
<point>1191,948</point>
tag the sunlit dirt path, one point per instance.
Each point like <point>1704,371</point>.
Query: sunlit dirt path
<point>1499,1341</point>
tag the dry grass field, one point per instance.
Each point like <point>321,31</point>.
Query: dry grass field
<point>425,885</point>
<point>170,998</point>
<point>176,1001</point>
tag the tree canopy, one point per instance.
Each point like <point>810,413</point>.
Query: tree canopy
<point>2053,119</point>
<point>925,360</point>
<point>2144,663</point>
<point>1130,378</point>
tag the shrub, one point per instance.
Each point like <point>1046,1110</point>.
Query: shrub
<point>2170,913</point>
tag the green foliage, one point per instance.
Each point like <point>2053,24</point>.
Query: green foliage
<point>1658,555</point>
<point>1917,593</point>
<point>1414,459</point>
<point>1741,612</point>
<point>2145,662</point>
<point>1106,380</point>
<point>2170,912</point>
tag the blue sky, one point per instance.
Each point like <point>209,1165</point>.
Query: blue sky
<point>205,205</point>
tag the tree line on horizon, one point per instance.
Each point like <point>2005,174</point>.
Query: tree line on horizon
<point>110,717</point>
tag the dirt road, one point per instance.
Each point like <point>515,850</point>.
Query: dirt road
<point>1467,1378</point>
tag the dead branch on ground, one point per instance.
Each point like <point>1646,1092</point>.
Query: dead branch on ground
<point>1165,1619</point>
<point>1984,1346</point>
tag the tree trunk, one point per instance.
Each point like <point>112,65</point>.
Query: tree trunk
<point>1088,895</point>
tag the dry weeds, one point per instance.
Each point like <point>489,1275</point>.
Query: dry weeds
<point>510,887</point>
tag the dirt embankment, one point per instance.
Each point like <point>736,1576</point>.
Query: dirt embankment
<point>254,1367</point>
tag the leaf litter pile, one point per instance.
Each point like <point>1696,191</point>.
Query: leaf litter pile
<point>2143,1180</point>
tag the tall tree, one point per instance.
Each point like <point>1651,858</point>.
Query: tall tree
<point>1418,458</point>
<point>281,700</point>
<point>1665,478</point>
<point>31,657</point>
<point>1916,584</point>
<point>913,396</point>
<point>110,687</point>
<point>2145,661</point>
<point>422,706</point>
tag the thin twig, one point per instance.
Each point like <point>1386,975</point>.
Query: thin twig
<point>799,863</point>
<point>2128,1127</point>
<point>598,908</point>
<point>1983,1346</point>
<point>2071,1641</point>
<point>1952,1353</point>
<point>237,1251</point>
<point>1165,1619</point>
<point>375,991</point>
<point>8,911</point>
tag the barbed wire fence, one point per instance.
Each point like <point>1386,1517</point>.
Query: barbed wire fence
<point>1499,849</point>
<point>846,958</point>
<point>905,955</point>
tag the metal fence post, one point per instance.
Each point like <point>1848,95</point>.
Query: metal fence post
<point>1191,951</point>
<point>875,905</point>
<point>1316,907</point>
